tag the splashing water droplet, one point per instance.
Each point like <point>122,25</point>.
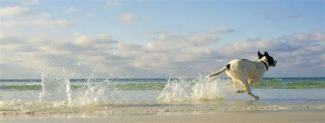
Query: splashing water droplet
<point>192,90</point>
<point>94,93</point>
<point>55,89</point>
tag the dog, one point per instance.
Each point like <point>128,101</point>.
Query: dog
<point>247,72</point>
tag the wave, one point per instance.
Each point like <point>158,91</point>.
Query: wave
<point>162,85</point>
<point>77,86</point>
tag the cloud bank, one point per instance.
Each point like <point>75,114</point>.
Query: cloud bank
<point>165,55</point>
<point>17,17</point>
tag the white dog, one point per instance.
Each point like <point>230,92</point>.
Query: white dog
<point>247,72</point>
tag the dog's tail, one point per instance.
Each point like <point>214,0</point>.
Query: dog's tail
<point>223,69</point>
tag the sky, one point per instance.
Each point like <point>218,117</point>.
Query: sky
<point>158,38</point>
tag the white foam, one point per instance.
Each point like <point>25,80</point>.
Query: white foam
<point>195,89</point>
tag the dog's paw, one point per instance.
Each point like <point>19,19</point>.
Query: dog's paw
<point>240,91</point>
<point>257,97</point>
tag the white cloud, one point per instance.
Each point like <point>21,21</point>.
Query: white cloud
<point>163,41</point>
<point>252,45</point>
<point>45,15</point>
<point>128,47</point>
<point>220,30</point>
<point>101,41</point>
<point>127,18</point>
<point>11,24</point>
<point>71,10</point>
<point>202,40</point>
<point>81,40</point>
<point>50,23</point>
<point>34,22</point>
<point>51,55</point>
<point>113,3</point>
<point>91,14</point>
<point>132,18</point>
<point>315,36</point>
<point>30,2</point>
<point>17,17</point>
<point>16,11</point>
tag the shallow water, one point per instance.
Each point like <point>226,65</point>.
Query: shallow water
<point>61,96</point>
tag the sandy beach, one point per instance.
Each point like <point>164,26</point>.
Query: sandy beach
<point>220,117</point>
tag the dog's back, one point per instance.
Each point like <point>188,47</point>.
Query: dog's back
<point>239,69</point>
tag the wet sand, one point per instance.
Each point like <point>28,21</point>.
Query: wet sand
<point>218,117</point>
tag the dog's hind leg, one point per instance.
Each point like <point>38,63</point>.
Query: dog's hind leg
<point>234,84</point>
<point>239,89</point>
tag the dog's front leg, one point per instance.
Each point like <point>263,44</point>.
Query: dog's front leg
<point>248,89</point>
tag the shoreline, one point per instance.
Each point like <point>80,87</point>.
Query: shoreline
<point>301,116</point>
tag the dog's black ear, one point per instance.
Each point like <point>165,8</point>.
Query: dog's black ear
<point>259,55</point>
<point>266,54</point>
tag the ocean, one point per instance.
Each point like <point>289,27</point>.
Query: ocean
<point>63,96</point>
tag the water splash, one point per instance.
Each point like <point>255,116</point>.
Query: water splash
<point>193,90</point>
<point>55,89</point>
<point>207,90</point>
<point>93,93</point>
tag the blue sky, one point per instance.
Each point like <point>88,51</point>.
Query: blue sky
<point>153,38</point>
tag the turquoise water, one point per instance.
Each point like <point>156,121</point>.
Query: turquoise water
<point>65,96</point>
<point>159,83</point>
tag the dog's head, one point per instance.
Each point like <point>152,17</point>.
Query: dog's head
<point>270,60</point>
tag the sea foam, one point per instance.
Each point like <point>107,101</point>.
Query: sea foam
<point>197,89</point>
